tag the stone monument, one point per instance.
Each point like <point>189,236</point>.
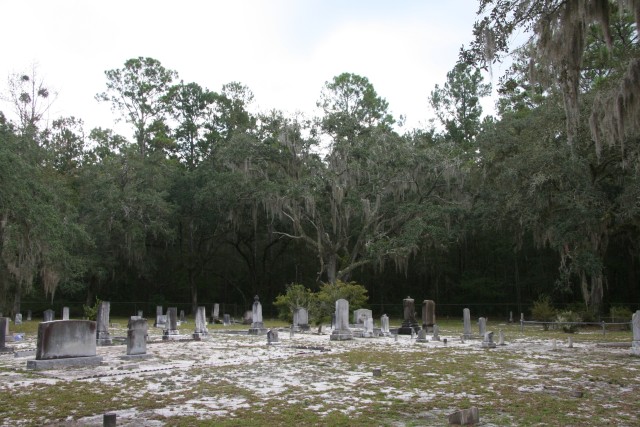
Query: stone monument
<point>137,339</point>
<point>201,324</point>
<point>482,326</point>
<point>466,320</point>
<point>384,325</point>
<point>257,325</point>
<point>47,315</point>
<point>428,314</point>
<point>102,320</point>
<point>65,313</point>
<point>635,324</point>
<point>360,315</point>
<point>171,327</point>
<point>341,331</point>
<point>409,324</point>
<point>300,319</point>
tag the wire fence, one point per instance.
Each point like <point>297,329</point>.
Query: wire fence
<point>557,325</point>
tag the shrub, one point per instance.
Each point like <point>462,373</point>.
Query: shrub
<point>295,296</point>
<point>621,314</point>
<point>543,311</point>
<point>569,316</point>
<point>91,312</point>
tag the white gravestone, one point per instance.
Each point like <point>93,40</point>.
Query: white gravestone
<point>341,331</point>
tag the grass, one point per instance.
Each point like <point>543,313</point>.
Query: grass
<point>420,385</point>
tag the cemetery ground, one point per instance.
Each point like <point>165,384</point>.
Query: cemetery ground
<point>237,379</point>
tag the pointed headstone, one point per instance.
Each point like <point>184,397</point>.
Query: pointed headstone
<point>384,325</point>
<point>482,326</point>
<point>201,324</point>
<point>466,321</point>
<point>257,325</point>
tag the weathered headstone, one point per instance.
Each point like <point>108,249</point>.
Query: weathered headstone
<point>384,325</point>
<point>226,319</point>
<point>47,315</point>
<point>409,324</point>
<point>272,337</point>
<point>422,335</point>
<point>501,338</point>
<point>140,314</point>
<point>511,317</point>
<point>201,324</point>
<point>171,327</point>
<point>18,320</point>
<point>635,324</point>
<point>368,328</point>
<point>160,319</point>
<point>466,320</point>
<point>247,319</point>
<point>183,319</point>
<point>482,326</point>
<point>64,343</point>
<point>215,316</point>
<point>4,323</point>
<point>300,319</point>
<point>341,331</point>
<point>102,320</point>
<point>570,343</point>
<point>487,341</point>
<point>65,313</point>
<point>257,325</point>
<point>109,419</point>
<point>465,417</point>
<point>360,315</point>
<point>436,333</point>
<point>29,315</point>
<point>428,313</point>
<point>137,338</point>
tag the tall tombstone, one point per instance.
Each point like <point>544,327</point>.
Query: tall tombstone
<point>368,327</point>
<point>428,313</point>
<point>482,326</point>
<point>466,321</point>
<point>257,325</point>
<point>635,324</point>
<point>171,327</point>
<point>384,325</point>
<point>65,313</point>
<point>300,319</point>
<point>201,324</point>
<point>409,324</point>
<point>137,337</point>
<point>102,324</point>
<point>29,315</point>
<point>215,317</point>
<point>4,322</point>
<point>436,333</point>
<point>160,321</point>
<point>341,331</point>
<point>47,315</point>
<point>18,320</point>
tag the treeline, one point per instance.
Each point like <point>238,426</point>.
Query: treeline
<point>209,202</point>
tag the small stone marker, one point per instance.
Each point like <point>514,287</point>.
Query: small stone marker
<point>272,337</point>
<point>29,315</point>
<point>570,343</point>
<point>384,325</point>
<point>395,337</point>
<point>301,319</point>
<point>511,317</point>
<point>140,315</point>
<point>109,420</point>
<point>466,320</point>
<point>482,326</point>
<point>102,321</point>
<point>341,331</point>
<point>18,320</point>
<point>257,325</point>
<point>226,319</point>
<point>436,333</point>
<point>635,323</point>
<point>137,338</point>
<point>428,313</point>
<point>501,338</point>
<point>368,327</point>
<point>160,319</point>
<point>201,324</point>
<point>171,328</point>
<point>377,372</point>
<point>554,345</point>
<point>291,332</point>
<point>487,342</point>
<point>65,313</point>
<point>47,315</point>
<point>182,317</point>
<point>360,315</point>
<point>215,316</point>
<point>465,417</point>
<point>247,319</point>
<point>422,335</point>
<point>4,322</point>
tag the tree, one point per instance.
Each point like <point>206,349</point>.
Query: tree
<point>135,92</point>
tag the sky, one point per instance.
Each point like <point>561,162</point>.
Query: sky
<point>283,50</point>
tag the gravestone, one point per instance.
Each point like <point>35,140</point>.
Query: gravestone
<point>257,325</point>
<point>487,341</point>
<point>215,316</point>
<point>466,320</point>
<point>368,327</point>
<point>182,317</point>
<point>436,333</point>
<point>201,324</point>
<point>422,335</point>
<point>301,319</point>
<point>465,417</point>
<point>140,315</point>
<point>47,315</point>
<point>635,324</point>
<point>137,338</point>
<point>428,313</point>
<point>570,342</point>
<point>29,315</point>
<point>65,313</point>
<point>171,327</point>
<point>482,326</point>
<point>102,320</point>
<point>511,317</point>
<point>384,325</point>
<point>109,419</point>
<point>360,315</point>
<point>247,319</point>
<point>272,337</point>
<point>409,324</point>
<point>341,331</point>
<point>501,338</point>
<point>65,343</point>
<point>226,319</point>
<point>160,319</point>
<point>4,324</point>
<point>18,320</point>
<point>333,321</point>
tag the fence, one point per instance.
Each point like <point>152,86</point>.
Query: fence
<point>555,324</point>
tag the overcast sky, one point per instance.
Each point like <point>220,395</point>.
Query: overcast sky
<point>283,50</point>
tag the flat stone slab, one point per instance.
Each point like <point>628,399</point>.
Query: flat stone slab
<point>41,365</point>
<point>24,353</point>
<point>135,356</point>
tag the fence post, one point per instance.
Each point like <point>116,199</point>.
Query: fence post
<point>604,329</point>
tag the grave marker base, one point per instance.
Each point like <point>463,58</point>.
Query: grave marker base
<point>41,365</point>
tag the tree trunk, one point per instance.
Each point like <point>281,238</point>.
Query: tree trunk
<point>332,267</point>
<point>194,291</point>
<point>17,297</point>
